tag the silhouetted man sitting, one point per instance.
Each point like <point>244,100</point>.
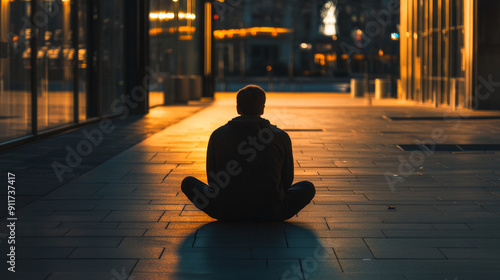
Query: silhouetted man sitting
<point>249,169</point>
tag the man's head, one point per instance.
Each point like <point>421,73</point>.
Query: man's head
<point>250,101</point>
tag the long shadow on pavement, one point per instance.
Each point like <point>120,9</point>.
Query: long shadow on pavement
<point>254,251</point>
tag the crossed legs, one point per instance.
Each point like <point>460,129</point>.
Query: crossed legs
<point>200,194</point>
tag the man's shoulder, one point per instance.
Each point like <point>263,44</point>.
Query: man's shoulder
<point>221,129</point>
<point>221,132</point>
<point>279,132</point>
<point>228,130</point>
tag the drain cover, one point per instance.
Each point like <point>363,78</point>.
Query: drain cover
<point>303,130</point>
<point>451,147</point>
<point>438,118</point>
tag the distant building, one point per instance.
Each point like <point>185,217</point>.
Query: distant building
<point>450,52</point>
<point>304,38</point>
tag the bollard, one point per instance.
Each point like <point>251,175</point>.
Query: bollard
<point>195,87</point>
<point>382,88</point>
<point>176,89</point>
<point>400,90</point>
<point>357,88</point>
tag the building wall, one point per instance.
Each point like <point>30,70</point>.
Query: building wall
<point>48,61</point>
<point>321,39</point>
<point>432,52</point>
<point>488,55</point>
<point>78,61</point>
<point>448,48</point>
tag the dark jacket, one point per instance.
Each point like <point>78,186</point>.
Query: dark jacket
<point>249,165</point>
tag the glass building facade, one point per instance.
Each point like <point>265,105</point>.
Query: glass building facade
<point>448,48</point>
<point>176,44</point>
<point>68,62</point>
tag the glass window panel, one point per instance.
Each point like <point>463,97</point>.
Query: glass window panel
<point>15,65</point>
<point>161,46</point>
<point>435,14</point>
<point>83,7</point>
<point>443,11</point>
<point>189,36</point>
<point>112,76</point>
<point>444,53</point>
<point>460,12</point>
<point>55,61</point>
<point>453,12</point>
<point>435,54</point>
<point>175,44</point>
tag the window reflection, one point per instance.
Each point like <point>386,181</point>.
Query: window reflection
<point>112,83</point>
<point>15,91</point>
<point>175,44</point>
<point>55,58</point>
<point>82,58</point>
<point>432,52</point>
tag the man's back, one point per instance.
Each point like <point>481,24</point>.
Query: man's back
<point>249,168</point>
<point>251,162</point>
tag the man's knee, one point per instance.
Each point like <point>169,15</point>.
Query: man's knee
<point>309,190</point>
<point>187,184</point>
<point>193,189</point>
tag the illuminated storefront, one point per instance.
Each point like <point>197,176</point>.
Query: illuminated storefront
<point>67,62</point>
<point>450,52</point>
<point>180,47</point>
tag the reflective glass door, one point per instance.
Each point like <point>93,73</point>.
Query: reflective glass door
<point>55,61</point>
<point>15,69</point>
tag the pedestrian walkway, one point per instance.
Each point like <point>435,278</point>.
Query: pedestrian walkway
<point>379,212</point>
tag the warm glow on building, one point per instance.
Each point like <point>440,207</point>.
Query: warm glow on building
<point>170,15</point>
<point>171,30</point>
<point>252,31</point>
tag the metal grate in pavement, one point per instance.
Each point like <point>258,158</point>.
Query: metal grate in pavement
<point>438,118</point>
<point>303,129</point>
<point>451,147</point>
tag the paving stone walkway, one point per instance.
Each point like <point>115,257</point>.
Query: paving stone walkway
<point>379,212</point>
